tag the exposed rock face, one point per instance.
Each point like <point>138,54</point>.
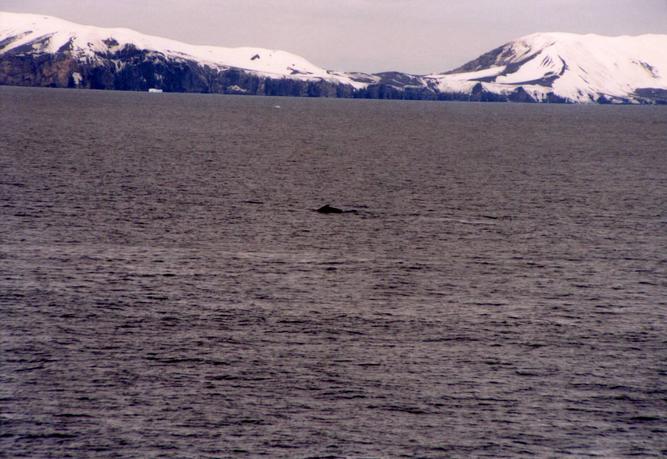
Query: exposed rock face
<point>132,69</point>
<point>657,95</point>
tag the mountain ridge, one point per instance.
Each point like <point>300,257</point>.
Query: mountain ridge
<point>37,50</point>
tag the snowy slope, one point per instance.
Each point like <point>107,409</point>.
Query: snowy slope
<point>578,68</point>
<point>46,34</point>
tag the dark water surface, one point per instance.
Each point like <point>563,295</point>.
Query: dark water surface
<point>167,291</point>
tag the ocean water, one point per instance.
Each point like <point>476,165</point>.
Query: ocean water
<point>166,289</point>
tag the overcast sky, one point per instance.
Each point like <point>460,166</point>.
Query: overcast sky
<point>418,36</point>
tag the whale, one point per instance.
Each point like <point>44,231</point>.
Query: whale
<point>327,209</point>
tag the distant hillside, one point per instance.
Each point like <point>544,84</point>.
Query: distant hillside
<point>551,67</point>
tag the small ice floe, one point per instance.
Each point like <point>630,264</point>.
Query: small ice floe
<point>155,91</point>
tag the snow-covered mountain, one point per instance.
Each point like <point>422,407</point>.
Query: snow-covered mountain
<point>571,67</point>
<point>46,34</point>
<point>38,50</point>
<point>85,56</point>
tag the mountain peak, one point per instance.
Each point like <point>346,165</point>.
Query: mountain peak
<point>575,67</point>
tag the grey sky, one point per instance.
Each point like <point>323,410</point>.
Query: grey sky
<point>418,36</point>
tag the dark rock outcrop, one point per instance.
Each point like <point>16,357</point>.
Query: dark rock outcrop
<point>653,95</point>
